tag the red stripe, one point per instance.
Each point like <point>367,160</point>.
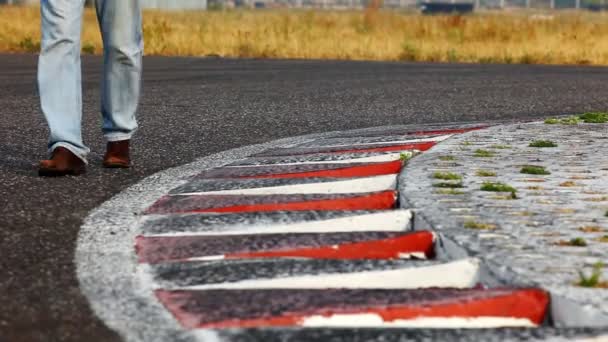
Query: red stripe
<point>376,201</point>
<point>448,131</point>
<point>418,242</point>
<point>526,303</point>
<point>378,169</point>
<point>421,146</point>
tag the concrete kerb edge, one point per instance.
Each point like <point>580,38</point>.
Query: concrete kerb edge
<point>105,263</point>
<point>564,312</point>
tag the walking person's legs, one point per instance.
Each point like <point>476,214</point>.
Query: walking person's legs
<point>59,84</point>
<point>120,24</point>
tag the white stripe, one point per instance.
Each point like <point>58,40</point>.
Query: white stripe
<point>389,143</point>
<point>389,221</point>
<point>207,258</point>
<point>458,274</point>
<point>349,186</point>
<point>373,159</point>
<point>372,320</point>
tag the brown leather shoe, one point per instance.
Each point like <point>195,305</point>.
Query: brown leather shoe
<point>117,155</point>
<point>62,163</point>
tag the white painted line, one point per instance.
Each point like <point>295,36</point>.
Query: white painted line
<point>349,186</point>
<point>207,258</point>
<point>373,159</point>
<point>388,143</point>
<point>372,320</point>
<point>458,274</point>
<point>389,221</point>
<point>415,255</point>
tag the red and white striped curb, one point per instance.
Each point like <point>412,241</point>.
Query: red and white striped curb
<point>311,235</point>
<point>192,305</point>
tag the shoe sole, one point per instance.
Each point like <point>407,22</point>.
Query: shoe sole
<point>116,166</point>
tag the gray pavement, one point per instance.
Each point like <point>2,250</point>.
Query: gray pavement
<point>195,107</point>
<point>552,229</point>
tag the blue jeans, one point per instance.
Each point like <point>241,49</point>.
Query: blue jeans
<point>59,73</point>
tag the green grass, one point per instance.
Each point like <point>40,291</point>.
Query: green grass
<point>483,153</point>
<point>571,120</point>
<point>594,279</point>
<point>449,192</point>
<point>500,147</point>
<point>594,117</point>
<point>497,187</point>
<point>485,173</point>
<point>542,143</point>
<point>447,176</point>
<point>447,158</point>
<point>448,185</point>
<point>589,117</point>
<point>479,225</point>
<point>578,242</point>
<point>534,170</point>
<point>405,156</point>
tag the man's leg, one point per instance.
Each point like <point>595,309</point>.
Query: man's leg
<point>59,75</point>
<point>120,23</point>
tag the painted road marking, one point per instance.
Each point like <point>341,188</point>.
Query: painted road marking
<point>369,245</point>
<point>357,185</point>
<point>305,171</point>
<point>330,143</point>
<point>324,158</point>
<point>278,223</point>
<point>419,146</point>
<point>259,203</point>
<point>457,274</point>
<point>280,307</point>
<point>374,320</point>
<point>371,159</point>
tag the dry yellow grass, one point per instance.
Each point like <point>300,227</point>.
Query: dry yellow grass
<point>561,38</point>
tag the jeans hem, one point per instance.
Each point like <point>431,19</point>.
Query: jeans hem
<point>112,137</point>
<point>78,152</point>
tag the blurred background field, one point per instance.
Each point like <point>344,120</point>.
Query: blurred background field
<point>373,33</point>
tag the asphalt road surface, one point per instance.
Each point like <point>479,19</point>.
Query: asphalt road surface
<point>194,107</point>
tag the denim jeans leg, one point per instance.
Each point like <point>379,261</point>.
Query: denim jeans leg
<point>59,74</point>
<point>121,30</point>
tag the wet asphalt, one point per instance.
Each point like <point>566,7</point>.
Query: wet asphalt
<point>195,107</point>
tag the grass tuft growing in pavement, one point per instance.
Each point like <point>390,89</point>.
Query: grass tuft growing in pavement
<point>593,280</point>
<point>448,185</point>
<point>500,147</point>
<point>479,225</point>
<point>449,192</point>
<point>534,170</point>
<point>484,153</point>
<point>447,158</point>
<point>447,176</point>
<point>574,242</point>
<point>594,117</point>
<point>485,173</point>
<point>405,156</point>
<point>542,143</point>
<point>497,187</point>
<point>571,120</point>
